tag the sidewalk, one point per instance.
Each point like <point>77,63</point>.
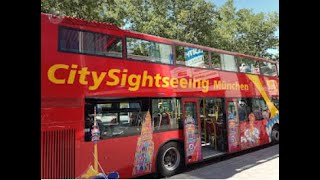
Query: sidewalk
<point>261,164</point>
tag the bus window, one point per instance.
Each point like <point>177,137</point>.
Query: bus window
<point>166,113</point>
<point>115,117</point>
<point>85,42</point>
<point>248,65</point>
<point>192,57</point>
<point>257,105</point>
<point>140,49</point>
<point>244,109</point>
<point>228,63</point>
<point>268,69</point>
<point>212,108</point>
<point>215,61</point>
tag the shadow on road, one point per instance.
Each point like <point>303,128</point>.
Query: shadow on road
<point>228,165</point>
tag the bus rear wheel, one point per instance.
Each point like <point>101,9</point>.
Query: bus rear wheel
<point>170,159</point>
<point>275,134</point>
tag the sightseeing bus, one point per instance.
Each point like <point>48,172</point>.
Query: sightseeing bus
<point>122,104</point>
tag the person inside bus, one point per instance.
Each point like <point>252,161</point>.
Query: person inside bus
<point>265,113</point>
<point>165,118</point>
<point>244,68</point>
<point>257,112</point>
<point>242,111</point>
<point>256,69</point>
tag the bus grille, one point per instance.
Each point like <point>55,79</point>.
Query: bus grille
<point>58,154</point>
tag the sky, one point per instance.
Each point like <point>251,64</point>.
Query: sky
<point>257,6</point>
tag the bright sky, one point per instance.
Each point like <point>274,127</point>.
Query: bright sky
<point>256,5</point>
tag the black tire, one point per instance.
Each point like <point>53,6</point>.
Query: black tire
<point>170,159</point>
<point>275,134</point>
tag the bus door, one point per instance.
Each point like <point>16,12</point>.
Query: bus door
<point>192,140</point>
<point>233,124</point>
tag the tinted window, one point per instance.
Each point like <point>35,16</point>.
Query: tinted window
<point>140,49</point>
<point>166,113</point>
<point>268,69</point>
<point>228,63</point>
<point>192,57</point>
<point>248,65</point>
<point>77,41</point>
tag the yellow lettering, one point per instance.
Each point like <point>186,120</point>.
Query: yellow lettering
<point>72,74</point>
<point>115,78</point>
<point>134,82</point>
<point>165,81</point>
<point>216,84</point>
<point>53,69</point>
<point>96,80</point>
<point>124,77</point>
<point>205,86</point>
<point>242,87</point>
<point>183,83</point>
<point>146,77</point>
<point>157,78</point>
<point>246,87</point>
<point>173,82</point>
<point>83,74</point>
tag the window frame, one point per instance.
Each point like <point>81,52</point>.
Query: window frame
<point>145,60</point>
<point>94,32</point>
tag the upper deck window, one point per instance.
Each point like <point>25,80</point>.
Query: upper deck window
<point>268,69</point>
<point>248,65</point>
<point>216,60</point>
<point>140,49</point>
<point>192,57</point>
<point>228,63</point>
<point>78,41</point>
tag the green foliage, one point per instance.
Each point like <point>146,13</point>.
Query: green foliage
<point>196,21</point>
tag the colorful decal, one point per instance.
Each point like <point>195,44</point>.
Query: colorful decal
<point>272,86</point>
<point>192,141</point>
<point>253,133</point>
<point>274,112</point>
<point>270,124</point>
<point>93,172</point>
<point>194,57</point>
<point>249,133</point>
<point>95,134</point>
<point>233,136</point>
<point>145,147</point>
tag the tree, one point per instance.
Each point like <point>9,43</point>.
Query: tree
<point>197,21</point>
<point>99,10</point>
<point>183,20</point>
<point>245,32</point>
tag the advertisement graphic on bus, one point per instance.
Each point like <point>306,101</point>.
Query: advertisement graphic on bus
<point>122,104</point>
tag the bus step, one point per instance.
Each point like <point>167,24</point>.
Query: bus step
<point>205,144</point>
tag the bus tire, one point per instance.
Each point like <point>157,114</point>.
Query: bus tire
<point>170,159</point>
<point>275,134</point>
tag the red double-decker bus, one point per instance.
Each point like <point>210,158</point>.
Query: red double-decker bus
<point>121,104</point>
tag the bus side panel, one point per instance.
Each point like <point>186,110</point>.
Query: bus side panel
<point>118,154</point>
<point>251,138</point>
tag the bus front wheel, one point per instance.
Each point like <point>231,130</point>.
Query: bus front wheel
<point>170,159</point>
